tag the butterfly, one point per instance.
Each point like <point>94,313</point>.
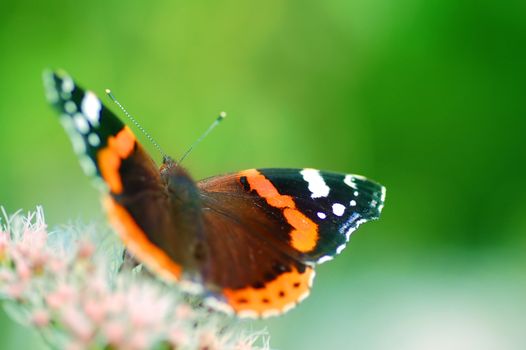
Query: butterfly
<point>249,241</point>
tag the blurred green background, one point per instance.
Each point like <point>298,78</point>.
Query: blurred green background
<point>426,97</point>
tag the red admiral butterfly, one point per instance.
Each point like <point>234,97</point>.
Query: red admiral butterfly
<point>250,240</point>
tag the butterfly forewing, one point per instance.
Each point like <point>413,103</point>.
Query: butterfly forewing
<point>336,203</point>
<point>135,196</point>
<point>307,213</point>
<point>89,124</point>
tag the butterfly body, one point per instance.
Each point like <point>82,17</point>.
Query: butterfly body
<point>248,240</point>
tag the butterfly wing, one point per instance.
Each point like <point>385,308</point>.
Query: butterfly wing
<point>269,227</point>
<point>246,273</point>
<point>134,194</point>
<point>310,212</point>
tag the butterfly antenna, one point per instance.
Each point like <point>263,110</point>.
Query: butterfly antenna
<point>218,120</point>
<point>136,123</point>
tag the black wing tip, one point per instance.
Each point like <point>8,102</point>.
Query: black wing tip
<point>377,204</point>
<point>380,194</point>
<point>376,194</point>
<point>50,84</point>
<point>58,85</point>
<point>52,77</point>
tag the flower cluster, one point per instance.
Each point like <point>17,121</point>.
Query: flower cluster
<point>73,293</point>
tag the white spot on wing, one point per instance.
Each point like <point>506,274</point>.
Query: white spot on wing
<point>70,107</point>
<point>49,82</point>
<point>52,95</point>
<point>354,228</point>
<point>81,124</point>
<point>247,314</point>
<point>87,165</point>
<point>321,215</point>
<point>67,84</point>
<point>353,203</point>
<point>382,200</point>
<point>340,249</point>
<point>349,181</point>
<point>66,122</point>
<point>270,313</point>
<point>79,146</point>
<point>324,259</point>
<point>93,139</point>
<point>288,307</point>
<point>311,278</point>
<point>317,185</point>
<point>348,233</point>
<point>303,296</point>
<point>91,107</point>
<point>338,209</point>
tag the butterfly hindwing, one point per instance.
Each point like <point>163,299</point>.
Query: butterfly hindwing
<point>247,272</point>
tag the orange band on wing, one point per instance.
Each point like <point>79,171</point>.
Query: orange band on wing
<point>267,190</point>
<point>305,234</point>
<point>276,297</point>
<point>109,158</point>
<point>138,243</point>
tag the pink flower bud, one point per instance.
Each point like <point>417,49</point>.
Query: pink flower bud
<point>183,312</point>
<point>40,318</point>
<point>54,301</point>
<point>6,276</point>
<point>78,324</point>
<point>115,333</point>
<point>178,338</point>
<point>16,290</point>
<point>114,303</point>
<point>85,250</point>
<point>95,310</point>
<point>63,295</point>
<point>139,341</point>
<point>23,270</point>
<point>209,341</point>
<point>56,266</point>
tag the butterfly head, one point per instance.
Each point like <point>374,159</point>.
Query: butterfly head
<point>167,160</point>
<point>178,181</point>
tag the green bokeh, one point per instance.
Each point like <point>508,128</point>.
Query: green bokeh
<point>426,97</point>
